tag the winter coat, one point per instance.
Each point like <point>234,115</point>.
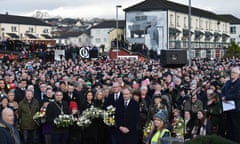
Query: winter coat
<point>26,112</point>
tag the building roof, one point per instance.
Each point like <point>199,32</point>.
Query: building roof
<point>64,35</point>
<point>5,18</point>
<point>110,24</point>
<point>151,5</point>
<point>232,19</point>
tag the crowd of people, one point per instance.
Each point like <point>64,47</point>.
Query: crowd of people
<point>184,102</point>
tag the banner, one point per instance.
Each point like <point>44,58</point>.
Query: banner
<point>59,55</point>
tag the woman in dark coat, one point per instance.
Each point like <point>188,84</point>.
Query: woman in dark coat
<point>214,112</point>
<point>104,136</point>
<point>90,135</point>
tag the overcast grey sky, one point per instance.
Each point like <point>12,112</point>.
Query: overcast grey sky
<point>102,8</point>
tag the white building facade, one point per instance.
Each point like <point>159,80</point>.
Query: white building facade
<point>164,25</point>
<point>234,28</point>
<point>235,33</point>
<point>100,36</point>
<point>23,28</point>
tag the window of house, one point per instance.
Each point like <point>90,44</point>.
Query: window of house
<point>210,25</point>
<point>30,29</point>
<point>80,40</point>
<point>171,20</point>
<point>197,24</point>
<point>233,30</point>
<point>232,40</point>
<point>98,40</point>
<point>185,22</point>
<point>206,25</point>
<point>97,31</point>
<point>45,31</point>
<point>14,29</point>
<point>223,27</point>
<point>178,19</point>
<point>200,23</point>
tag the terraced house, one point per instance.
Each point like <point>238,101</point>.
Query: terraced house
<point>24,28</point>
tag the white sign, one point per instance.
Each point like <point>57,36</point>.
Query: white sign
<point>59,55</point>
<point>84,52</point>
<point>228,105</point>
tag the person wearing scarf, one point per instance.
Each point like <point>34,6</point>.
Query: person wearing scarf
<point>8,132</point>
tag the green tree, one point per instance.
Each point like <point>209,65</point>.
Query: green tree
<point>233,50</point>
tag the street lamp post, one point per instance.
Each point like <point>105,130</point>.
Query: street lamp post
<point>189,34</point>
<point>117,6</point>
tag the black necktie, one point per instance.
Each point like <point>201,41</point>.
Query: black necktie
<point>125,104</point>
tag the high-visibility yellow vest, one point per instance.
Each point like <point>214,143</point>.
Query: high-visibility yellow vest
<point>157,135</point>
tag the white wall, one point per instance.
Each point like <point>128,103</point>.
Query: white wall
<point>100,36</point>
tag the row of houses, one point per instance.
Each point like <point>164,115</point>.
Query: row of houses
<point>157,25</point>
<point>23,28</point>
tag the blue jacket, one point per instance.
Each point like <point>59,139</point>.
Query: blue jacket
<point>231,91</point>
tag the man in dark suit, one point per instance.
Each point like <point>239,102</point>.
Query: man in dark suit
<point>40,94</point>
<point>113,99</point>
<point>69,95</point>
<point>127,113</point>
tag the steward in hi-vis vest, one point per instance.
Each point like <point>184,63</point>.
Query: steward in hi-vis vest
<point>160,121</point>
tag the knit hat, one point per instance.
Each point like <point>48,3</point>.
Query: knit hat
<point>73,105</point>
<point>162,114</point>
<point>88,84</point>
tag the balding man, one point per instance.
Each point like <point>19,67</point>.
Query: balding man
<point>231,91</point>
<point>8,133</point>
<point>116,96</point>
<point>113,99</point>
<point>127,112</point>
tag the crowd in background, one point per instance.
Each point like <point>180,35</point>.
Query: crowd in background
<point>141,91</point>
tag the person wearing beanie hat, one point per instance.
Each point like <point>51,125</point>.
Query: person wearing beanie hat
<point>162,115</point>
<point>73,107</point>
<point>160,130</point>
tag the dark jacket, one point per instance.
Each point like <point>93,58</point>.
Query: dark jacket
<point>111,101</point>
<point>127,117</point>
<point>19,94</point>
<point>26,112</point>
<point>53,111</point>
<point>231,91</point>
<point>5,135</point>
<point>41,98</point>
